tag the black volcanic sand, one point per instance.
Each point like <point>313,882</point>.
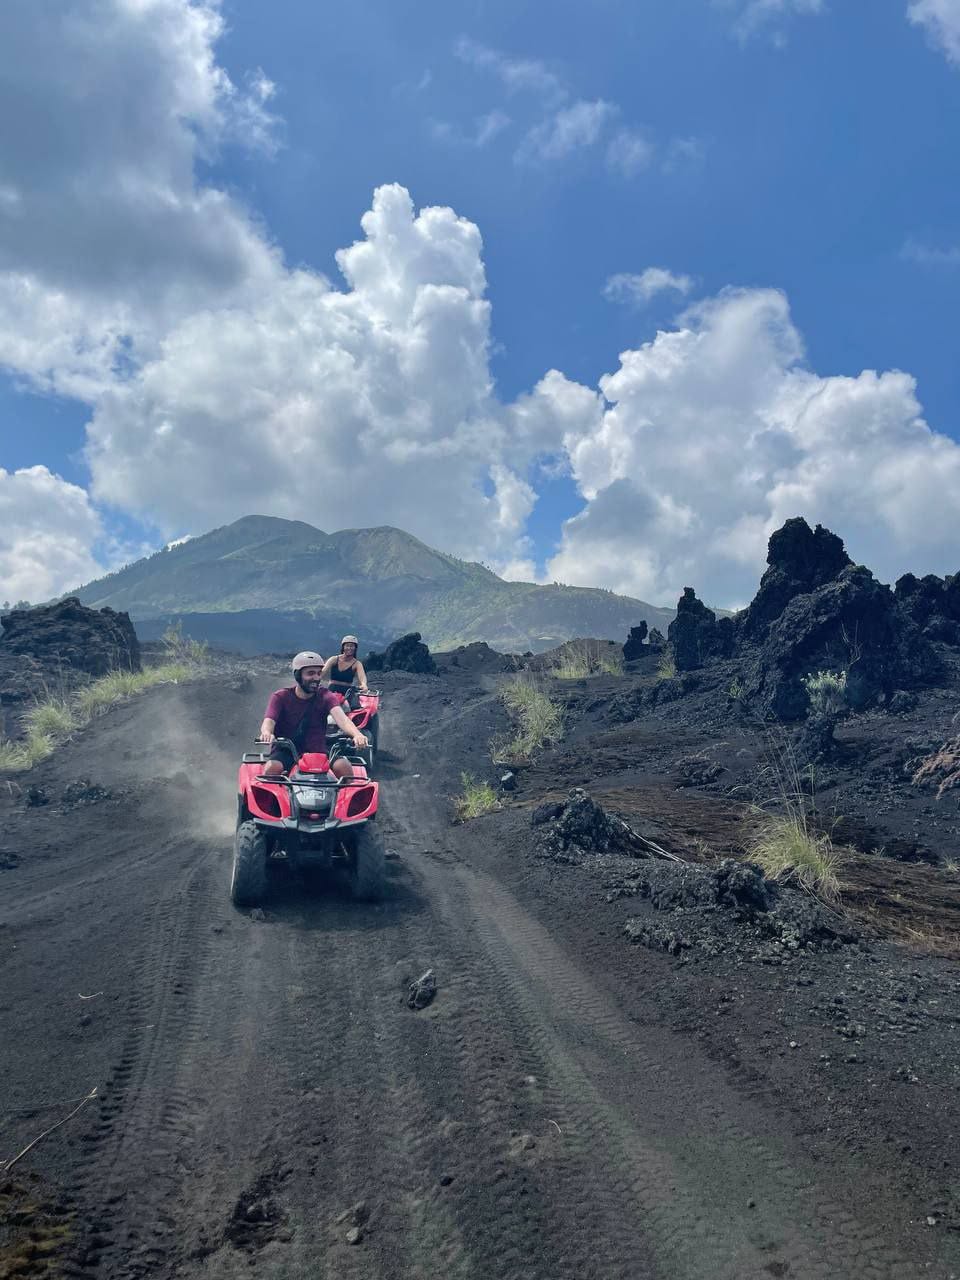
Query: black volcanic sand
<point>571,1104</point>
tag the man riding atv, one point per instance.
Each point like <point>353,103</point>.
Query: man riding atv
<point>300,712</point>
<point>344,672</point>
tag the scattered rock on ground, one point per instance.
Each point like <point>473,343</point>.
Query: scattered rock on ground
<point>710,905</point>
<point>422,991</point>
<point>82,791</point>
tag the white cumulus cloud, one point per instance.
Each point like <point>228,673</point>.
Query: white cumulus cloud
<point>941,20</point>
<point>105,234</point>
<point>48,528</point>
<point>222,382</point>
<point>715,433</point>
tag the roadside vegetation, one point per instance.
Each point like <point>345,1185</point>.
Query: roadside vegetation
<point>583,658</point>
<point>787,845</point>
<point>54,718</point>
<point>538,721</point>
<point>476,799</point>
<point>788,840</point>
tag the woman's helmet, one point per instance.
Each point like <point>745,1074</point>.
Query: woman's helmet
<point>306,658</point>
<point>349,640</point>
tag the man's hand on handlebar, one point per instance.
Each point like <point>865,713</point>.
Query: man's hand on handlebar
<point>361,740</point>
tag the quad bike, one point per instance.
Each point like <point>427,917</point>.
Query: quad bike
<point>364,710</point>
<point>306,820</point>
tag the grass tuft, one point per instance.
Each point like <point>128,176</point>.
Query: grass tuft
<point>667,666</point>
<point>538,719</point>
<point>787,843</point>
<point>477,798</point>
<point>53,717</point>
<point>581,659</point>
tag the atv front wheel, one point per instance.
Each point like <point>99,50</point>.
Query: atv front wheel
<point>369,864</point>
<point>248,884</point>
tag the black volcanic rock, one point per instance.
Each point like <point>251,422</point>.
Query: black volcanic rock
<point>635,647</point>
<point>409,653</point>
<point>799,560</point>
<point>67,636</point>
<point>933,603</point>
<point>851,624</point>
<point>696,636</point>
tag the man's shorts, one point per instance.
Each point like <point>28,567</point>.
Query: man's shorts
<point>284,755</point>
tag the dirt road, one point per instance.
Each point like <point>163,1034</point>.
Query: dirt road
<point>265,1097</point>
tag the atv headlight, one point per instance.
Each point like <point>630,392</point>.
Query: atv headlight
<point>315,798</point>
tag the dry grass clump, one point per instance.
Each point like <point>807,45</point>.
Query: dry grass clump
<point>788,841</point>
<point>538,720</point>
<point>787,845</point>
<point>581,659</point>
<point>181,648</point>
<point>52,720</point>
<point>54,717</point>
<point>942,768</point>
<point>476,799</point>
<point>667,666</point>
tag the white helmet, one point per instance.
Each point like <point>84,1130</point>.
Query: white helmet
<point>349,640</point>
<point>306,658</point>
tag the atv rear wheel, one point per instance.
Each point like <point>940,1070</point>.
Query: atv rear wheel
<point>369,864</point>
<point>248,884</point>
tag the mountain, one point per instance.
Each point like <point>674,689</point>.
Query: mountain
<point>377,582</point>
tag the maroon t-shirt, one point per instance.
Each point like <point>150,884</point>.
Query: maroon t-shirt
<point>287,710</point>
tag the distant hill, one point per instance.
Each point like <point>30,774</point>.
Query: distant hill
<point>377,582</point>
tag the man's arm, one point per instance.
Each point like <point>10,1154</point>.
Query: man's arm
<point>266,729</point>
<point>347,725</point>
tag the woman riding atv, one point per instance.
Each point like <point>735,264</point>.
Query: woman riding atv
<point>344,673</point>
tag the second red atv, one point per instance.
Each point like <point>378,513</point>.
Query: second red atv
<point>306,820</point>
<point>364,710</point>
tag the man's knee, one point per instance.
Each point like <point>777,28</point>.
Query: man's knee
<point>342,769</point>
<point>272,768</point>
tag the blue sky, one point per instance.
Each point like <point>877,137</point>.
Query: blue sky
<point>794,151</point>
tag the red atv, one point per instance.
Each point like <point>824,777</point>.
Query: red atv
<point>364,710</point>
<point>306,820</point>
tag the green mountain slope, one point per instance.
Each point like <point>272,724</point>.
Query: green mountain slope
<point>382,579</point>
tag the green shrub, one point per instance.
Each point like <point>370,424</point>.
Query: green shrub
<point>537,717</point>
<point>827,691</point>
<point>477,798</point>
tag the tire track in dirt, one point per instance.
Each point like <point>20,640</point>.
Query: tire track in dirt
<point>145,1118</point>
<point>698,1165</point>
<point>555,1210</point>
